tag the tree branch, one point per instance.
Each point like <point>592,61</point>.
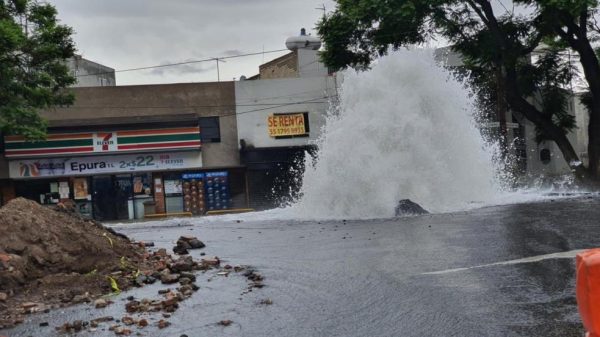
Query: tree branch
<point>567,36</point>
<point>583,22</point>
<point>534,43</point>
<point>479,12</point>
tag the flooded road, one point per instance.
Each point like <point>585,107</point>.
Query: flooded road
<point>496,271</point>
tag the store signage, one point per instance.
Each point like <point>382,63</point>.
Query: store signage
<point>53,167</point>
<point>192,176</point>
<point>286,125</point>
<point>104,142</point>
<point>216,174</point>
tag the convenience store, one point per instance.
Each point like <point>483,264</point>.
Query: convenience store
<point>123,174</point>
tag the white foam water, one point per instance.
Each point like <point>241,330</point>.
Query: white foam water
<point>403,130</point>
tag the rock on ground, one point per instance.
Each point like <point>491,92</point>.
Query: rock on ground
<point>409,207</point>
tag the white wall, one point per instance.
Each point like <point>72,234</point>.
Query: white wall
<point>557,164</point>
<point>309,64</point>
<point>285,93</point>
<point>535,167</point>
<point>91,74</point>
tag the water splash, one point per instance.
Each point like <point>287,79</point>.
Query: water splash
<point>402,130</point>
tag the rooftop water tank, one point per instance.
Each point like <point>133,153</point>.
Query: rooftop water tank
<point>303,41</point>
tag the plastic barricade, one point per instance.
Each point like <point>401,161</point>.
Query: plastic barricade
<point>588,290</point>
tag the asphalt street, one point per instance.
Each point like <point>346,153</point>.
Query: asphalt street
<point>484,272</point>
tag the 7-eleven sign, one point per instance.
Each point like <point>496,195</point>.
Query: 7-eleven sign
<point>105,142</point>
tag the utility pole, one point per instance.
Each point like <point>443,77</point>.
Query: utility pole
<point>322,8</point>
<point>218,72</point>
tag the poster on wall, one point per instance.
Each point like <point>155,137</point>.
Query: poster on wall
<point>173,186</point>
<point>138,185</point>
<point>53,187</point>
<point>286,125</point>
<point>63,189</point>
<point>80,188</point>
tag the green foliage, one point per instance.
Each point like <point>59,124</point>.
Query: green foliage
<point>358,32</point>
<point>33,73</point>
<point>550,73</point>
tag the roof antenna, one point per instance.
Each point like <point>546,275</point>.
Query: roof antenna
<point>322,8</point>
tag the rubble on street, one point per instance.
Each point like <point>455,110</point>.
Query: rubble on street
<point>51,258</point>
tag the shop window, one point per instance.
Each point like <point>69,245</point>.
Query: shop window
<point>43,191</point>
<point>1,143</point>
<point>141,184</point>
<point>210,129</point>
<point>545,156</point>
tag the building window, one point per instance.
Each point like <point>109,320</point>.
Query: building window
<point>545,156</point>
<point>210,130</point>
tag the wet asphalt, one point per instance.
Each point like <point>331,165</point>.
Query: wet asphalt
<point>390,277</point>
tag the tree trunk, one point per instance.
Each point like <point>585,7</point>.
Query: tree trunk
<point>591,70</point>
<point>556,134</point>
<point>576,37</point>
<point>501,108</point>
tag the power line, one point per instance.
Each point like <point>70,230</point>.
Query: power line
<point>501,4</point>
<point>316,100</point>
<point>183,63</point>
<point>279,106</point>
<point>183,106</point>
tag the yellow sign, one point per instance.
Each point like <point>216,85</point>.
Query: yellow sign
<point>286,125</point>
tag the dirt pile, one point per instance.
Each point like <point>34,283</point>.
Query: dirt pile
<point>50,257</point>
<point>36,241</point>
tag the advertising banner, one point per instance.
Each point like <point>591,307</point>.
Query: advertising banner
<point>286,125</point>
<point>55,167</point>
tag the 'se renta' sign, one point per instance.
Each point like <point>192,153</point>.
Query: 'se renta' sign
<point>286,125</point>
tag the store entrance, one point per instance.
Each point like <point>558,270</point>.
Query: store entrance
<point>111,197</point>
<point>103,198</point>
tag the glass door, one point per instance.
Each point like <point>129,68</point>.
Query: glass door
<point>123,197</point>
<point>103,198</point>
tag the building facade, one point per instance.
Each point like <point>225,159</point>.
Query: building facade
<point>123,152</point>
<point>280,113</point>
<point>533,160</point>
<point>91,74</point>
<point>545,159</point>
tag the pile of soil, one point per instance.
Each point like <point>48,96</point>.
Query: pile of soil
<point>53,256</point>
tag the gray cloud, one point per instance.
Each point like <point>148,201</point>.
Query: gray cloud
<point>138,33</point>
<point>233,52</point>
<point>183,69</point>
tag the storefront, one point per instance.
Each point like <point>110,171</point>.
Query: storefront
<point>123,185</point>
<point>103,194</point>
<point>103,187</point>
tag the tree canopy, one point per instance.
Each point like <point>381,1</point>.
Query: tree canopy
<point>497,45</point>
<point>33,71</point>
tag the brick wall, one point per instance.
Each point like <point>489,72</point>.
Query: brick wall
<point>282,67</point>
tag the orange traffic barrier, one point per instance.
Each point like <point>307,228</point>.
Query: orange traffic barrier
<point>588,290</point>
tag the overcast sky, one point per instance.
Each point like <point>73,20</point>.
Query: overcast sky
<point>125,34</point>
